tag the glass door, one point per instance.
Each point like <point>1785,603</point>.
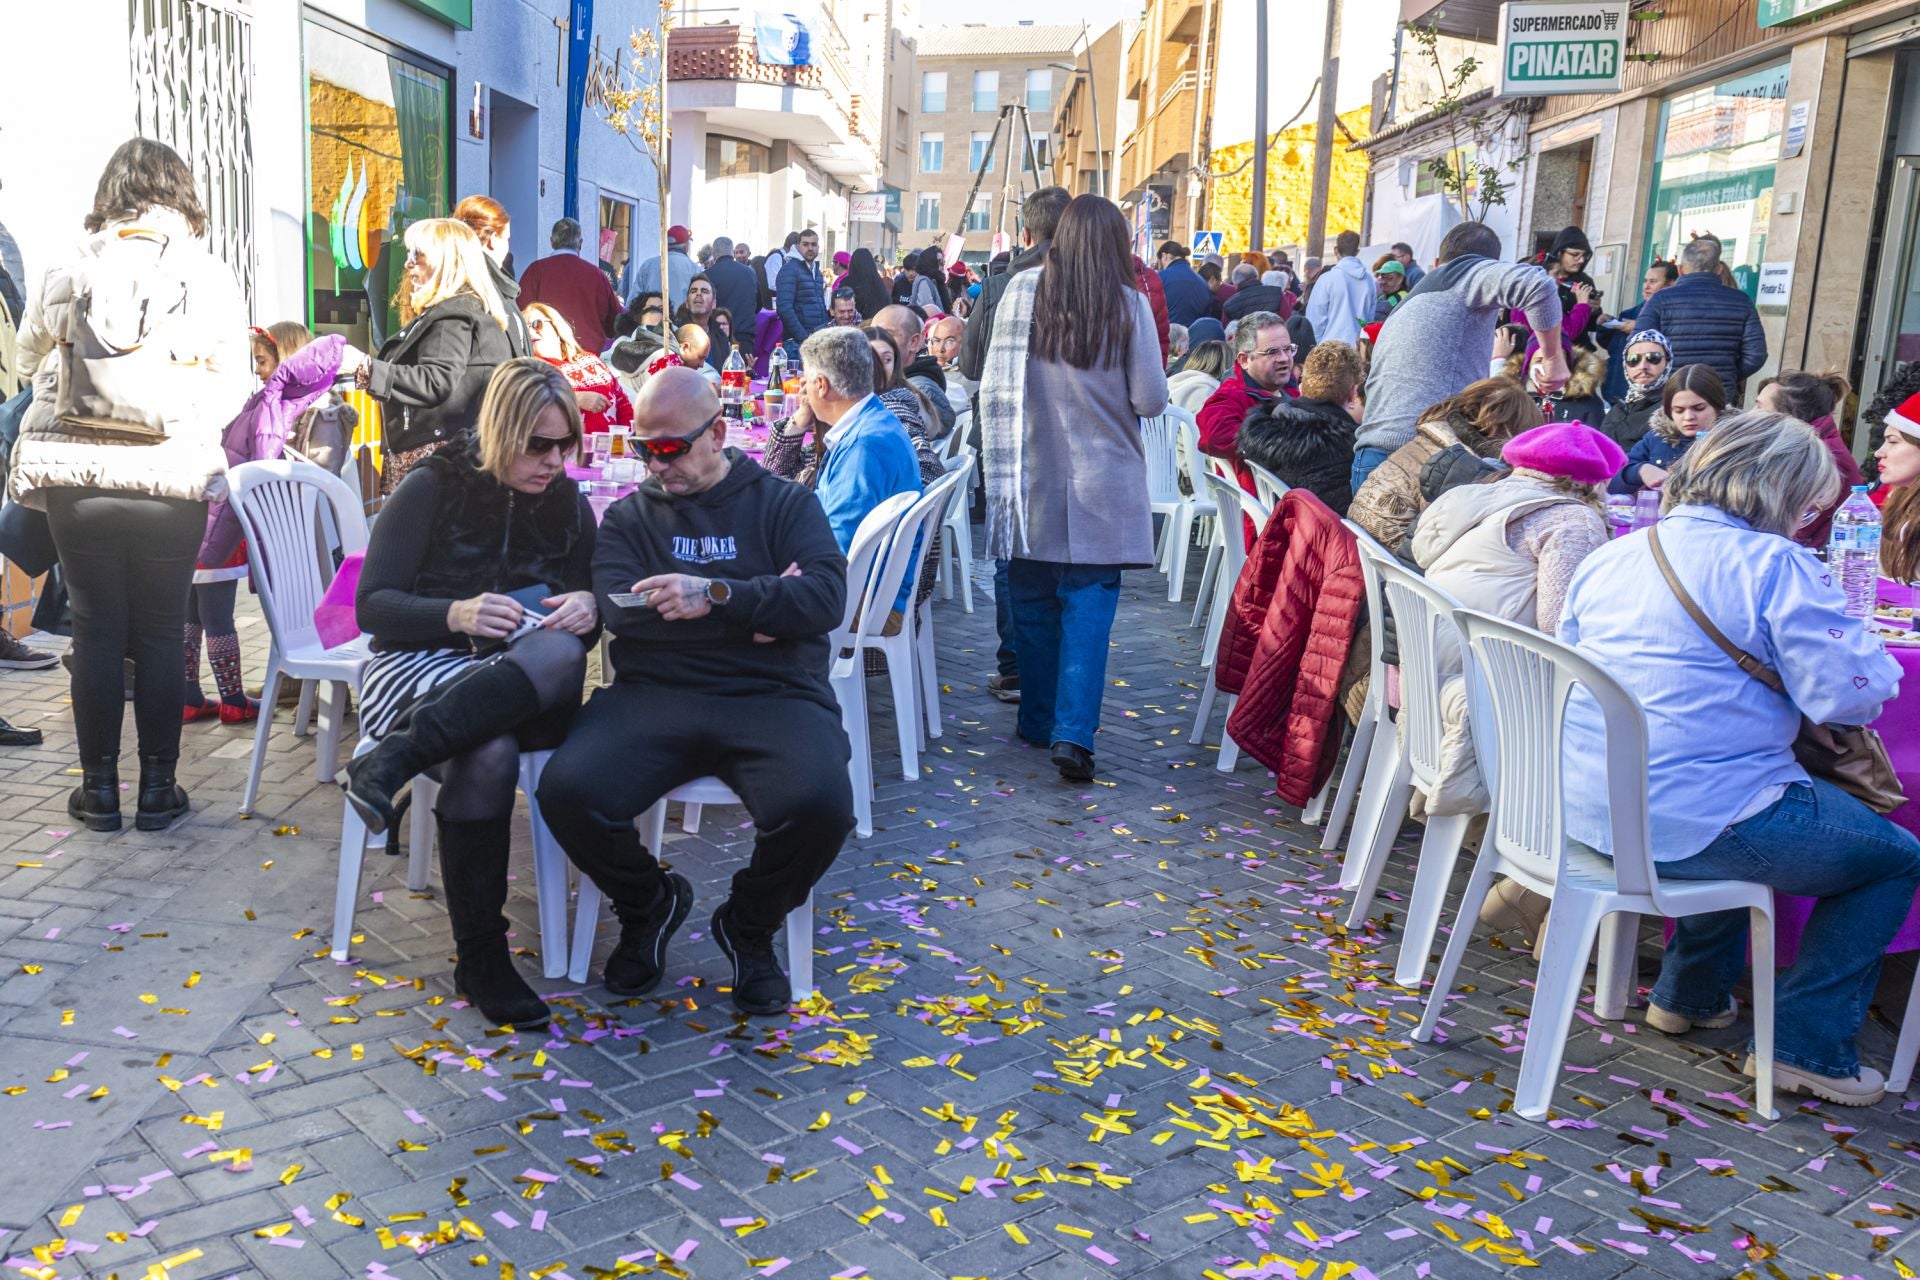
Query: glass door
<point>1893,337</point>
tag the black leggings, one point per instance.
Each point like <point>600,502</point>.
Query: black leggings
<point>480,784</point>
<point>785,757</point>
<point>128,563</point>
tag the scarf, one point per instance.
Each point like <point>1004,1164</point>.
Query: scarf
<point>1635,392</point>
<point>1003,398</point>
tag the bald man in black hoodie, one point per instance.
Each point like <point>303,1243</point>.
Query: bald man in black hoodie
<point>719,583</point>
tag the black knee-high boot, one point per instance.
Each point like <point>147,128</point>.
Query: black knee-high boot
<point>493,698</point>
<point>473,869</point>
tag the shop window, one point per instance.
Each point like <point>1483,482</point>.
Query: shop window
<point>379,124</point>
<point>736,158</point>
<point>1427,183</point>
<point>616,240</point>
<point>1713,170</point>
<point>926,211</point>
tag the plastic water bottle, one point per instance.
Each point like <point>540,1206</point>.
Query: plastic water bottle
<point>1853,551</point>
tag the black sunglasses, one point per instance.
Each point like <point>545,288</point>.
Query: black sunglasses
<point>667,448</point>
<point>542,446</point>
<point>1651,357</point>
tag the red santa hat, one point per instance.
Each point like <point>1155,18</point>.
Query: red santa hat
<point>1906,418</point>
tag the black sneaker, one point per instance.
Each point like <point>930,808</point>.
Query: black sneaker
<point>1004,688</point>
<point>639,960</point>
<point>1074,761</point>
<point>18,657</point>
<point>760,986</point>
<point>13,737</point>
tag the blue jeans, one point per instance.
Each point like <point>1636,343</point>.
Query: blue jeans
<point>1365,459</point>
<point>1816,841</point>
<point>1005,659</point>
<point>1062,616</point>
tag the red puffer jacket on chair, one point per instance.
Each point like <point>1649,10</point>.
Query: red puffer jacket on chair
<point>1290,623</point>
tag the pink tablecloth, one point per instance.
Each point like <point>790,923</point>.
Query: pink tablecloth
<point>1899,727</point>
<point>605,492</point>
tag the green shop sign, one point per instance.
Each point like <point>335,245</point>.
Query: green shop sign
<point>1562,46</point>
<point>457,13</point>
<point>1777,13</point>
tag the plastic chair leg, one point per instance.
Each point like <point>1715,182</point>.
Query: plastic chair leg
<point>1439,851</point>
<point>262,730</point>
<point>1351,778</point>
<point>1478,884</point>
<point>420,833</point>
<point>1209,583</point>
<point>690,817</point>
<point>653,828</point>
<point>1206,709</point>
<point>346,887</point>
<point>1760,934</point>
<point>1571,926</point>
<point>929,671</point>
<point>326,758</point>
<point>1905,1052</point>
<point>1397,791</point>
<point>1317,807</point>
<point>963,562</point>
<point>901,673</point>
<point>303,712</point>
<point>549,873</point>
<point>1217,622</point>
<point>1229,749</point>
<point>1382,768</point>
<point>1180,526</point>
<point>800,949</point>
<point>1617,970</point>
<point>852,693</point>
<point>586,918</point>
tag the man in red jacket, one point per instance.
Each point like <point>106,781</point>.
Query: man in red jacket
<point>1263,368</point>
<point>574,287</point>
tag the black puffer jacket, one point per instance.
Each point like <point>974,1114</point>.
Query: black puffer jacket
<point>1308,444</point>
<point>1626,422</point>
<point>431,376</point>
<point>450,531</point>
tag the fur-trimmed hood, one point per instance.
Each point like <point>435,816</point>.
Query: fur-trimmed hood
<point>1308,444</point>
<point>1589,373</point>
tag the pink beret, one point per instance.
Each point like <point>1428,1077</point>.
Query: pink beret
<point>1571,449</point>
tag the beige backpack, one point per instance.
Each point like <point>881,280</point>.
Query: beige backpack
<point>118,375</point>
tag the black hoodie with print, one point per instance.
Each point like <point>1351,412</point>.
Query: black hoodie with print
<point>744,531</point>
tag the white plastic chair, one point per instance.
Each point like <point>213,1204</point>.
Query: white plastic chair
<point>849,678</point>
<point>1423,619</point>
<point>956,544</point>
<point>1269,486</point>
<point>279,506</point>
<point>1907,1048</point>
<point>950,490</point>
<point>1196,467</point>
<point>951,442</point>
<point>1373,712</point>
<point>913,537</point>
<point>694,796</point>
<point>1521,682</point>
<point>1159,438</point>
<point>549,862</point>
<point>1231,502</point>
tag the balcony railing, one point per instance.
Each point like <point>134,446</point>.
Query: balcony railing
<point>729,51</point>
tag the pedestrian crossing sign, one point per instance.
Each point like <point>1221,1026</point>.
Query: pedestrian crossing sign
<point>1206,242</point>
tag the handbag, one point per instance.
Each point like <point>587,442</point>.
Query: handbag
<point>335,620</point>
<point>1851,757</point>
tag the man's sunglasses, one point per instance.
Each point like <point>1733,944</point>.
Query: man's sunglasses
<point>542,446</point>
<point>1652,357</point>
<point>667,448</point>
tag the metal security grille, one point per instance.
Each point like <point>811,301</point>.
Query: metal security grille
<point>192,66</point>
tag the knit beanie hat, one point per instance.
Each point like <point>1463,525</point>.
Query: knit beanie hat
<point>1571,449</point>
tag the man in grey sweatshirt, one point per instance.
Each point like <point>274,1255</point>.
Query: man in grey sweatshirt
<point>1440,339</point>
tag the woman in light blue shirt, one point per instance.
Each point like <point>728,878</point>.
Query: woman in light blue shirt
<point>1727,798</point>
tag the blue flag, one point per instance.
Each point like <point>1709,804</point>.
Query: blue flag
<point>783,39</point>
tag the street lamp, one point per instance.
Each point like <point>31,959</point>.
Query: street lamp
<point>1093,98</point>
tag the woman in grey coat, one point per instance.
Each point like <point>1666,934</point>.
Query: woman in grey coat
<point>1073,366</point>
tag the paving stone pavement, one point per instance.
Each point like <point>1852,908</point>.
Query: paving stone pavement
<point>1064,1031</point>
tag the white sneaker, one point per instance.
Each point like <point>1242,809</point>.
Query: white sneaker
<point>1670,1023</point>
<point>1862,1089</point>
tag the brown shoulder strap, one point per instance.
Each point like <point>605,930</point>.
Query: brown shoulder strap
<point>1744,660</point>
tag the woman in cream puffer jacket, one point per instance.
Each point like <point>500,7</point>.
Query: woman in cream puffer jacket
<point>128,514</point>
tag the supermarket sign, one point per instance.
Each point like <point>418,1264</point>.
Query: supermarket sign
<point>1562,46</point>
<point>1774,13</point>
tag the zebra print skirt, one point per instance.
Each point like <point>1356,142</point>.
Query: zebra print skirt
<point>395,679</point>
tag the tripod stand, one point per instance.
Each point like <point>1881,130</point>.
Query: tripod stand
<point>1013,117</point>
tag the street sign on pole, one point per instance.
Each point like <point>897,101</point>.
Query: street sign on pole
<point>1562,46</point>
<point>1206,242</point>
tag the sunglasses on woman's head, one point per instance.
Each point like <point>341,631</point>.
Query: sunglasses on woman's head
<point>667,448</point>
<point>543,446</point>
<point>1652,357</point>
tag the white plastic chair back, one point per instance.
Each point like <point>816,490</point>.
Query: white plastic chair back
<point>279,505</point>
<point>1523,681</point>
<point>1158,440</point>
<point>1193,463</point>
<point>1269,486</point>
<point>1370,552</point>
<point>937,497</point>
<point>883,585</point>
<point>951,442</point>
<point>1423,620</point>
<point>1233,502</point>
<point>870,542</point>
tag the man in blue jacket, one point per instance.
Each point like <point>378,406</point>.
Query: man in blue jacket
<point>1707,322</point>
<point>802,297</point>
<point>1187,294</point>
<point>868,454</point>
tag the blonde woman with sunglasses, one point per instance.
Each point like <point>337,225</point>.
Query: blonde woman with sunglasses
<point>430,376</point>
<point>476,593</point>
<point>596,388</point>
